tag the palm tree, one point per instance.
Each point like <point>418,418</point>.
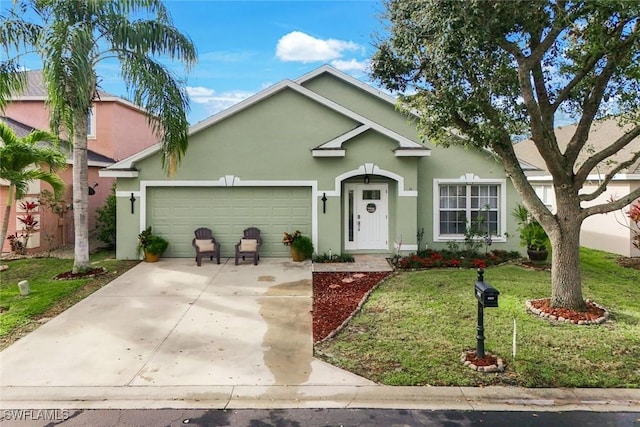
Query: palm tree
<point>11,80</point>
<point>72,37</point>
<point>21,161</point>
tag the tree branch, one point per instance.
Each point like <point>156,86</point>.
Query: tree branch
<point>607,152</point>
<point>589,110</point>
<point>611,206</point>
<point>592,102</point>
<point>577,78</point>
<point>609,177</point>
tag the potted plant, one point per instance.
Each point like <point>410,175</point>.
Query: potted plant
<point>301,246</point>
<point>151,245</point>
<point>532,235</point>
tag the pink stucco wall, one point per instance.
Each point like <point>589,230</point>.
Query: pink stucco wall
<point>55,232</point>
<point>32,113</point>
<point>121,130</point>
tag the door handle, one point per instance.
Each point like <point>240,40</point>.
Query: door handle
<point>358,225</point>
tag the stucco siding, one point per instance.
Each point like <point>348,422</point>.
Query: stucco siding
<point>452,163</point>
<point>363,103</point>
<point>269,141</point>
<point>609,232</point>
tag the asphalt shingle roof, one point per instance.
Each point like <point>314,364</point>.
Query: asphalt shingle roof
<point>22,130</point>
<point>602,134</point>
<point>35,86</point>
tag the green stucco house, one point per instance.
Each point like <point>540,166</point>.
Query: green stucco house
<point>325,154</point>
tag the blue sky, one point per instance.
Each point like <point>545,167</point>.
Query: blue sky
<point>246,46</point>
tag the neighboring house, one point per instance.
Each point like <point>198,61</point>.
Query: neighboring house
<point>54,229</point>
<point>608,232</point>
<point>324,154</point>
<point>117,129</point>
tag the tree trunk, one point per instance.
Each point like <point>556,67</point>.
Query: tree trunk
<point>80,193</point>
<point>566,285</point>
<point>7,213</point>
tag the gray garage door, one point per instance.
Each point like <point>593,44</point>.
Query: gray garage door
<point>174,212</point>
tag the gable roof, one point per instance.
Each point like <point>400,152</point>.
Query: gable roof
<point>601,135</point>
<point>327,69</point>
<point>21,130</point>
<point>35,90</point>
<point>406,146</point>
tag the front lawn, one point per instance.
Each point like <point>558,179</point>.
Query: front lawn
<point>21,314</point>
<point>415,326</point>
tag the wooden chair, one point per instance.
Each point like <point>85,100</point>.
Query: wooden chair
<point>205,245</point>
<point>249,245</point>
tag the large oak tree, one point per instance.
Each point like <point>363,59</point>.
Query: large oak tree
<point>72,38</point>
<point>478,72</point>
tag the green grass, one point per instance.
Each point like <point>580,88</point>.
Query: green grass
<point>415,326</point>
<point>48,297</point>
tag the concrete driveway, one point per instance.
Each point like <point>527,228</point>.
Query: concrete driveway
<point>172,323</point>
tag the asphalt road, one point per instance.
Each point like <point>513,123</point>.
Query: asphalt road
<point>311,418</point>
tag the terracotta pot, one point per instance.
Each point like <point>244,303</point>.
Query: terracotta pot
<point>297,255</point>
<point>149,257</point>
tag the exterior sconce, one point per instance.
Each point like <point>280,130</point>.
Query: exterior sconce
<point>366,179</point>
<point>91,189</point>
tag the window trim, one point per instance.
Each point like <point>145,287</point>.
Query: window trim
<point>92,123</point>
<point>469,179</point>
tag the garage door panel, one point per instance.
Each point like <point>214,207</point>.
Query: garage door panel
<point>201,211</point>
<point>242,211</point>
<point>220,211</point>
<point>261,212</point>
<point>228,211</point>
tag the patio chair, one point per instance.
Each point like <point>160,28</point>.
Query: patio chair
<point>249,245</point>
<point>205,245</point>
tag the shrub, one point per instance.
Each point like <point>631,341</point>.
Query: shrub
<point>326,258</point>
<point>106,220</point>
<point>430,258</point>
<point>304,245</point>
<point>151,243</point>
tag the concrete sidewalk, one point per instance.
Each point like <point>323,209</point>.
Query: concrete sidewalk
<point>172,335</point>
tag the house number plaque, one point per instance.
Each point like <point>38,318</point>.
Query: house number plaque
<point>371,207</point>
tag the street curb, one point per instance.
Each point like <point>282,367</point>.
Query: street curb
<point>322,396</point>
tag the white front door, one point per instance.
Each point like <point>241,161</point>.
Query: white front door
<point>366,216</point>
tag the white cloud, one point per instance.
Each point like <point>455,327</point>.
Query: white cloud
<point>350,65</point>
<point>301,47</point>
<point>214,102</point>
<point>199,92</point>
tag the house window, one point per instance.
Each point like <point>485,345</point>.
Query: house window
<point>460,205</point>
<point>350,215</point>
<point>370,194</point>
<point>91,123</point>
<point>545,193</point>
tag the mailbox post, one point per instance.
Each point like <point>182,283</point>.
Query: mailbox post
<point>487,296</point>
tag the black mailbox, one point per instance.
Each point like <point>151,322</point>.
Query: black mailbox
<point>485,293</point>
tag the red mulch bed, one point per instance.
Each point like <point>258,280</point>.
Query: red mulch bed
<point>336,295</point>
<point>593,312</point>
<point>487,360</point>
